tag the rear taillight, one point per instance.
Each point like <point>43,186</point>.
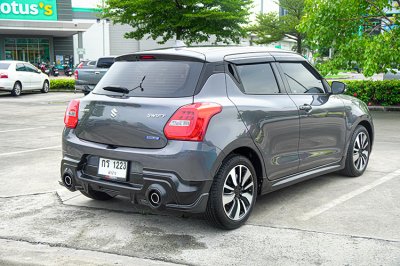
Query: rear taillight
<point>3,76</point>
<point>190,122</point>
<point>76,74</point>
<point>71,115</point>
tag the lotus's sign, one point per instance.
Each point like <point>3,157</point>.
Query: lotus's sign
<point>28,9</point>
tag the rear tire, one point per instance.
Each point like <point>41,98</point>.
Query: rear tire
<point>97,195</point>
<point>233,193</point>
<point>17,89</point>
<point>46,87</point>
<point>358,153</point>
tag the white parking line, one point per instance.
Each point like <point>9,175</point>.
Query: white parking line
<point>346,197</point>
<point>21,129</point>
<point>32,150</point>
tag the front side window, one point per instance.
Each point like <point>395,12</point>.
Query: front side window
<point>301,80</point>
<point>258,79</point>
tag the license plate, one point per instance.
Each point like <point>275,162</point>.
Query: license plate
<point>112,169</point>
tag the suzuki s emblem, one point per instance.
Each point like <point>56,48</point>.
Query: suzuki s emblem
<point>114,113</point>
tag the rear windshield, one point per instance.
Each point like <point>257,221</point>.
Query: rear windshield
<point>160,79</point>
<point>106,62</point>
<point>4,65</point>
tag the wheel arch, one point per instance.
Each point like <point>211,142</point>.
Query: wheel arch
<point>349,167</point>
<point>250,153</point>
<point>369,128</point>
<point>20,83</point>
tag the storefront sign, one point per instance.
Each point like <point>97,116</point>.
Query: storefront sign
<point>28,9</point>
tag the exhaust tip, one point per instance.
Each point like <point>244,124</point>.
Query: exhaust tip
<point>68,182</point>
<point>155,198</point>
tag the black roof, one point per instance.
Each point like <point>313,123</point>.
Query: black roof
<point>214,53</point>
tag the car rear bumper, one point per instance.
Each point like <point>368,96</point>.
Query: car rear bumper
<point>84,88</point>
<point>6,85</point>
<point>182,172</point>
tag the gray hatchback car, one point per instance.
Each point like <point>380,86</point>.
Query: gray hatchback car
<point>208,129</point>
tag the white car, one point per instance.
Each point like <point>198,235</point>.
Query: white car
<point>17,76</point>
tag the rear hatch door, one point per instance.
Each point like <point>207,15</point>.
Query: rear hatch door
<point>157,88</point>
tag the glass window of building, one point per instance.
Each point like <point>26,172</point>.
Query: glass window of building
<point>33,50</point>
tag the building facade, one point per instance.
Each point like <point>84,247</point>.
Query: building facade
<point>39,30</point>
<point>68,31</point>
<point>61,31</point>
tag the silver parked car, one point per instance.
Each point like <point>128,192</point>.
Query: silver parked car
<point>392,74</point>
<point>210,129</point>
<point>86,78</point>
<point>17,76</point>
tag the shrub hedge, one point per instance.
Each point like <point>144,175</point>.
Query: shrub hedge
<point>62,84</point>
<point>379,92</point>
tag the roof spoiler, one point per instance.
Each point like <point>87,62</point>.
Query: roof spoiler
<point>154,55</point>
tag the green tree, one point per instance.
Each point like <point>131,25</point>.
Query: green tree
<point>361,32</point>
<point>271,27</point>
<point>189,20</point>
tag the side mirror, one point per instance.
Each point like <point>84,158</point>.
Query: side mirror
<point>338,87</point>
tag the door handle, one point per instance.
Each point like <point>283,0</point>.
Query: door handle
<point>306,107</point>
<point>97,73</point>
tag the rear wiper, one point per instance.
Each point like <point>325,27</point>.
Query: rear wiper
<point>116,89</point>
<point>140,85</point>
<point>123,89</point>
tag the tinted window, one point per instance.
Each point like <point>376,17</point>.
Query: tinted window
<point>258,79</point>
<point>106,62</point>
<point>152,78</point>
<point>301,80</point>
<point>30,68</point>
<point>4,65</point>
<point>20,67</point>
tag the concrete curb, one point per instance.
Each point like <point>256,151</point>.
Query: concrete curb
<point>384,108</point>
<point>62,91</point>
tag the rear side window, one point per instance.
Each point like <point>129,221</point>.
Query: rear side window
<point>301,80</point>
<point>160,79</point>
<point>258,79</point>
<point>106,62</point>
<point>20,67</point>
<point>4,65</point>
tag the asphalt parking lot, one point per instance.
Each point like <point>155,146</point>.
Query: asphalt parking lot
<point>330,220</point>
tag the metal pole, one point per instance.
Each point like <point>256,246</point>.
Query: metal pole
<point>262,7</point>
<point>103,22</point>
<point>104,40</point>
